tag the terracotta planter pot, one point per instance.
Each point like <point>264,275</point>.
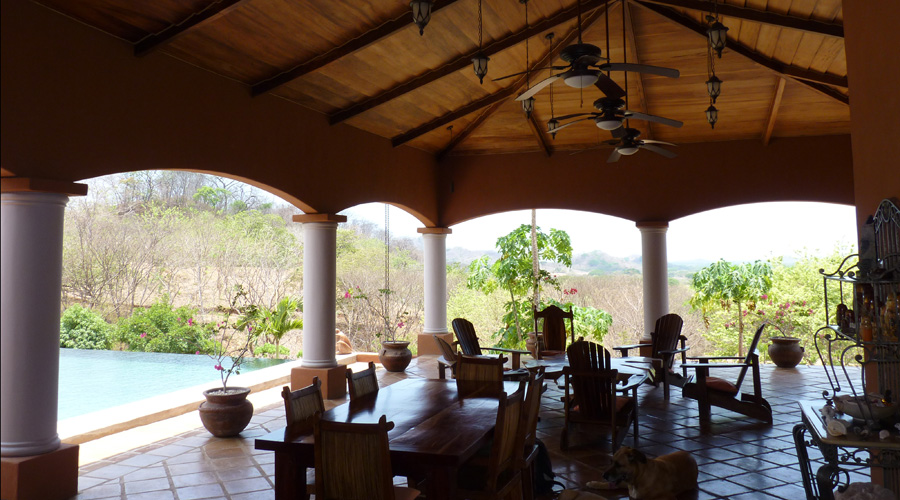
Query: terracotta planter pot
<point>785,352</point>
<point>226,415</point>
<point>395,355</point>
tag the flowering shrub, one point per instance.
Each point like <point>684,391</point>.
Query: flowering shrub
<point>164,329</point>
<point>233,340</point>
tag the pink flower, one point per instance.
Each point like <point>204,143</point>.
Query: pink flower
<point>400,324</point>
<point>346,295</point>
<point>190,321</point>
<point>198,352</point>
<point>219,367</point>
<point>143,334</point>
<point>764,296</point>
<point>249,328</point>
<point>810,311</point>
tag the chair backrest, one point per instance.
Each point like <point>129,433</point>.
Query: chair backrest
<point>478,372</point>
<point>665,335</point>
<point>593,382</point>
<point>751,354</point>
<point>466,336</point>
<point>362,383</point>
<point>554,327</point>
<point>505,450</point>
<point>302,404</point>
<point>353,461</point>
<point>531,410</point>
<point>447,350</point>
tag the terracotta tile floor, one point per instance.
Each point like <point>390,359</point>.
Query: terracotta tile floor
<point>739,458</point>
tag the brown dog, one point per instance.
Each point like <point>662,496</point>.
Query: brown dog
<point>652,479</point>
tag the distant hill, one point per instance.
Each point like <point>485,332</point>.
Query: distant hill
<point>595,263</point>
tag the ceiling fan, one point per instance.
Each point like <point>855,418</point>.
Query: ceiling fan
<point>611,114</point>
<point>627,143</point>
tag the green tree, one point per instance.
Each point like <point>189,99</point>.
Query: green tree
<point>723,284</point>
<point>82,328</point>
<point>514,272</point>
<point>280,320</point>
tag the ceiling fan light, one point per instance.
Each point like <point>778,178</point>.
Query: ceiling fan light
<point>714,87</point>
<point>627,150</point>
<point>608,122</point>
<point>717,37</point>
<point>480,64</point>
<point>580,79</point>
<point>712,115</point>
<point>528,106</point>
<point>421,12</point>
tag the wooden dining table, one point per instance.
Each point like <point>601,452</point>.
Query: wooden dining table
<point>435,432</point>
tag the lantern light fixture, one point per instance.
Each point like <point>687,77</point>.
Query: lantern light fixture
<point>480,61</point>
<point>714,87</point>
<point>421,13</point>
<point>552,127</point>
<point>712,115</point>
<point>528,106</point>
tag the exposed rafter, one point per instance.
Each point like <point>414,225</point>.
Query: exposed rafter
<point>773,111</point>
<point>461,62</point>
<point>471,127</point>
<point>374,35</point>
<point>812,79</point>
<point>764,17</point>
<point>152,42</point>
<point>636,58</point>
<point>538,132</point>
<point>501,94</point>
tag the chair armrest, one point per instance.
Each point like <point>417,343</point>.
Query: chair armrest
<point>503,349</point>
<point>623,349</point>
<point>713,365</point>
<point>633,382</point>
<point>676,351</point>
<point>714,357</point>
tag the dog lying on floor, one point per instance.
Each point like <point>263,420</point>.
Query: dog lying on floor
<point>659,478</point>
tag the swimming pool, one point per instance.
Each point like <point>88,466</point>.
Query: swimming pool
<point>92,380</point>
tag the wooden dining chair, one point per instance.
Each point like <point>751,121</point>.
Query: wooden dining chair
<point>362,383</point>
<point>528,431</point>
<point>447,359</point>
<point>353,462</point>
<point>714,391</point>
<point>474,373</point>
<point>501,478</point>
<point>593,399</point>
<point>550,330</point>
<point>664,340</point>
<point>300,407</point>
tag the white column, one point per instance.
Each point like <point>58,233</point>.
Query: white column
<point>435,241</point>
<point>31,276</point>
<point>655,273</point>
<point>319,282</point>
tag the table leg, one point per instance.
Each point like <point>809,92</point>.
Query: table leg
<point>290,478</point>
<point>441,483</point>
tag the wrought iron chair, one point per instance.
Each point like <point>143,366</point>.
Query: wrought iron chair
<point>715,391</point>
<point>665,338</point>
<point>593,399</point>
<point>468,343</point>
<point>362,383</point>
<point>353,462</point>
<point>551,335</point>
<point>501,476</point>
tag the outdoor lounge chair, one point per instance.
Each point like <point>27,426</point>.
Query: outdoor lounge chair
<point>468,343</point>
<point>550,337</point>
<point>665,338</point>
<point>714,391</point>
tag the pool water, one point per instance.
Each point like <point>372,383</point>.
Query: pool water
<point>92,380</point>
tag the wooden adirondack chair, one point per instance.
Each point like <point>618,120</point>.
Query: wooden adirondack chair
<point>665,338</point>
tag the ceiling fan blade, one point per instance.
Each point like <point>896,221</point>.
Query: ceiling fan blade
<point>641,68</point>
<point>614,156</point>
<point>658,150</point>
<point>650,141</point>
<point>538,87</point>
<point>570,123</point>
<point>609,87</point>
<point>566,117</point>
<point>534,70</point>
<point>653,118</point>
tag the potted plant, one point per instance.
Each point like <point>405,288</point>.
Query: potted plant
<point>226,411</point>
<point>784,351</point>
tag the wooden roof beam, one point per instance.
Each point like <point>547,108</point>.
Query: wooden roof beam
<point>498,96</point>
<point>471,127</point>
<point>773,111</point>
<point>464,61</point>
<point>372,36</point>
<point>812,79</point>
<point>635,58</point>
<point>156,40</point>
<point>538,132</point>
<point>764,17</point>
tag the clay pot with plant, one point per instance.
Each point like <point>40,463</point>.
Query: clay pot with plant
<point>784,351</point>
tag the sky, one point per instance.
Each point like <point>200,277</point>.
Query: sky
<point>739,233</point>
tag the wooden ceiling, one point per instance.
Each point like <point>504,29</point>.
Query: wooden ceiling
<point>364,63</point>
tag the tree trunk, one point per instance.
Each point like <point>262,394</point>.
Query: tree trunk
<point>740,331</point>
<point>535,261</point>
